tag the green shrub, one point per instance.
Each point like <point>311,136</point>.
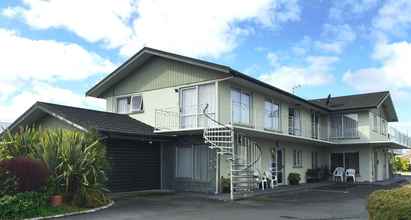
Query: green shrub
<point>294,178</point>
<point>76,160</point>
<point>225,184</point>
<point>23,205</point>
<point>400,164</point>
<point>8,182</point>
<point>392,204</point>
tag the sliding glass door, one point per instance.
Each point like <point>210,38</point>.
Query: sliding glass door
<point>192,103</point>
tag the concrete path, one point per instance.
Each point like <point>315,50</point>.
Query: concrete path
<point>324,203</point>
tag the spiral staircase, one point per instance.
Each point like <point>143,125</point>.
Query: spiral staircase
<point>243,153</point>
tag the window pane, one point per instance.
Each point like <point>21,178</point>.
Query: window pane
<point>297,122</point>
<point>268,119</point>
<point>350,123</point>
<point>206,96</point>
<point>123,106</point>
<point>137,103</point>
<point>235,105</point>
<point>352,161</point>
<point>276,116</point>
<point>188,108</point>
<point>337,160</point>
<point>245,108</point>
<point>201,163</point>
<point>184,164</point>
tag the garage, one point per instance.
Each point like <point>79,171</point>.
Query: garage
<point>133,149</point>
<point>135,165</point>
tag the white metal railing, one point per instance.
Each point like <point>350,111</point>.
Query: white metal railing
<point>398,137</point>
<point>187,117</point>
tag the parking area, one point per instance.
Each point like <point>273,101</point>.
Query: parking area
<point>329,202</point>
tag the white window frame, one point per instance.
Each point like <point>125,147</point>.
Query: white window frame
<point>130,107</point>
<point>340,117</point>
<point>197,108</point>
<point>250,110</point>
<point>292,130</point>
<point>278,127</point>
<point>297,158</point>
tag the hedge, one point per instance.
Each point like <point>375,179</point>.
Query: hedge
<point>394,204</point>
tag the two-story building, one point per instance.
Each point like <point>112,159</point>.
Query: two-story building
<point>216,123</point>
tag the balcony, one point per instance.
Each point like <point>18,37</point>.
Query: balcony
<point>186,118</point>
<point>398,137</point>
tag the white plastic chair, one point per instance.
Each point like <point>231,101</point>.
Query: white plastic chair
<point>350,173</point>
<point>339,173</point>
<point>264,181</point>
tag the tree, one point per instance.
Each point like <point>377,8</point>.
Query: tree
<point>400,164</point>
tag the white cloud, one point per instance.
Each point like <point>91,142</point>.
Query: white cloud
<point>273,58</point>
<point>94,20</point>
<point>29,67</point>
<point>302,47</point>
<point>316,72</point>
<point>342,10</point>
<point>393,17</point>
<point>337,38</point>
<point>40,91</point>
<point>392,73</point>
<point>195,28</point>
<point>26,59</point>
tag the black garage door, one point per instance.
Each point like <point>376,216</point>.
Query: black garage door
<point>135,165</point>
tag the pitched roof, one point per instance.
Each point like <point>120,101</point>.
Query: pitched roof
<point>358,101</point>
<point>144,54</point>
<point>85,119</point>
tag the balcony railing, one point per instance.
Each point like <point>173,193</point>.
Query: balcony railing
<point>187,117</point>
<point>396,136</point>
<point>191,117</point>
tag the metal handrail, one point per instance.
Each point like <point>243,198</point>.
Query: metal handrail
<point>212,119</point>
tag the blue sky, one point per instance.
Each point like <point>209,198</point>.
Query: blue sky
<point>55,50</point>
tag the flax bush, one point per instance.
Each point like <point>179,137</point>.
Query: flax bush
<point>76,160</point>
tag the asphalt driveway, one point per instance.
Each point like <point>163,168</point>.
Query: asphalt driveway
<point>335,202</point>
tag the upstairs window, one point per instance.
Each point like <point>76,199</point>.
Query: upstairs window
<point>344,125</point>
<point>294,122</point>
<point>271,116</point>
<point>137,103</point>
<point>241,107</point>
<point>130,104</point>
<point>123,105</point>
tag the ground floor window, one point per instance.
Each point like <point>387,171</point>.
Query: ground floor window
<point>348,160</point>
<point>192,162</point>
<point>297,158</point>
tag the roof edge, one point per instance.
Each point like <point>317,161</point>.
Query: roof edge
<point>93,92</point>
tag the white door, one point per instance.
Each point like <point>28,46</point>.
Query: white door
<point>189,108</point>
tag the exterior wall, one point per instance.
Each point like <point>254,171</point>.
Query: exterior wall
<point>159,74</point>
<point>382,159</point>
<point>170,181</point>
<point>51,122</point>
<point>157,82</point>
<point>157,99</point>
